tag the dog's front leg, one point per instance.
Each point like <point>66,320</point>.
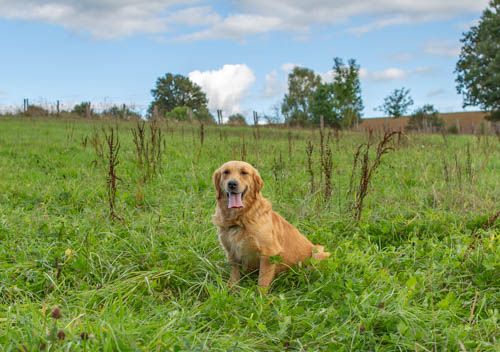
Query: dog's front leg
<point>235,275</point>
<point>267,271</point>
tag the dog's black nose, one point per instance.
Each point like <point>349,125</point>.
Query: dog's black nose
<point>232,184</point>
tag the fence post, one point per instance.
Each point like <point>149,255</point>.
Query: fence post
<point>87,110</point>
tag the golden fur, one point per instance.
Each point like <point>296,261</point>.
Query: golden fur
<point>254,233</point>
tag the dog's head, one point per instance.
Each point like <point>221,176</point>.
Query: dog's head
<point>237,182</point>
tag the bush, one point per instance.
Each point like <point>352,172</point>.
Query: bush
<point>36,110</point>
<point>425,118</point>
<point>453,129</point>
<point>237,120</point>
<point>80,109</point>
<point>123,112</point>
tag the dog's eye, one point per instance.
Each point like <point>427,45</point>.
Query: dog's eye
<point>243,172</point>
<point>226,172</point>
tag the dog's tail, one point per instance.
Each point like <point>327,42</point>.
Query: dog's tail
<point>319,252</point>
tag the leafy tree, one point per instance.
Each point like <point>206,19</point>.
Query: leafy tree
<point>397,103</point>
<point>323,104</point>
<point>302,83</point>
<point>237,119</point>
<point>203,115</point>
<point>425,118</point>
<point>172,91</point>
<point>80,109</point>
<point>478,67</point>
<point>346,87</point>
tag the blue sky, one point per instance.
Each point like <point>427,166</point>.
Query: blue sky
<point>239,52</point>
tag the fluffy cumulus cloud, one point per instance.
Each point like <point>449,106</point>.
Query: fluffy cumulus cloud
<point>198,20</point>
<point>226,87</point>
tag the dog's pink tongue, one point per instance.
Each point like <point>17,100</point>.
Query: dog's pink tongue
<point>235,200</point>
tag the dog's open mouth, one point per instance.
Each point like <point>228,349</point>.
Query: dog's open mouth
<point>234,200</point>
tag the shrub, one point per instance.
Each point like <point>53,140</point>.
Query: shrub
<point>237,120</point>
<point>425,118</point>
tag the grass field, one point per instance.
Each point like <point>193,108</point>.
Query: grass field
<point>419,272</point>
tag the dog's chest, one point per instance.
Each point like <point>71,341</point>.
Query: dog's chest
<point>240,245</point>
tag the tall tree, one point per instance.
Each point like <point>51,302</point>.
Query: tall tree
<point>346,87</point>
<point>397,103</point>
<point>478,67</point>
<point>302,83</point>
<point>173,91</point>
<point>323,104</point>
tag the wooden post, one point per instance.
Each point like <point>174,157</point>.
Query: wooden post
<point>57,107</point>
<point>219,116</point>
<point>155,112</point>
<point>87,110</point>
<point>256,123</point>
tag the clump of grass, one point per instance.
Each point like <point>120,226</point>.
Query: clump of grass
<point>97,144</point>
<point>113,148</point>
<point>243,148</point>
<point>310,168</point>
<point>202,134</point>
<point>367,169</point>
<point>148,147</point>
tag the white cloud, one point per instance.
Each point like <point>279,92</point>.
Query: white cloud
<point>327,76</point>
<point>273,86</point>
<point>226,87</point>
<point>236,27</point>
<point>106,19</point>
<point>442,48</point>
<point>195,16</point>
<point>300,15</point>
<point>392,73</point>
<point>389,74</point>
<point>117,18</point>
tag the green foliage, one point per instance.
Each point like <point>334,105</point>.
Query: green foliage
<point>397,103</point>
<point>180,113</point>
<point>203,115</point>
<point>173,91</point>
<point>425,118</point>
<point>123,112</point>
<point>419,272</point>
<point>323,104</point>
<point>296,106</point>
<point>80,109</point>
<point>478,68</point>
<point>346,87</point>
<point>185,113</point>
<point>237,120</point>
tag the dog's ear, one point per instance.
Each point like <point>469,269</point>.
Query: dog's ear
<point>216,180</point>
<point>257,181</point>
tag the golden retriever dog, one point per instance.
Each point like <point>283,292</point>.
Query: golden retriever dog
<point>251,233</point>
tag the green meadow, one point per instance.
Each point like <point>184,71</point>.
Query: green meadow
<point>418,272</point>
